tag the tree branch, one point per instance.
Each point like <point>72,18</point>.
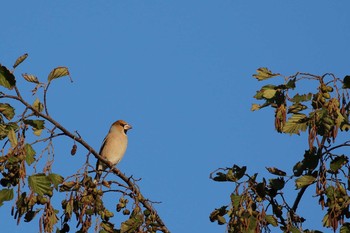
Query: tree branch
<point>303,189</point>
<point>132,186</point>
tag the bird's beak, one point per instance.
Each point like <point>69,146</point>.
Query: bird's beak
<point>127,127</point>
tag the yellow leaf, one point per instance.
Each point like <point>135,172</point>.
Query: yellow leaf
<point>12,137</point>
<point>255,107</point>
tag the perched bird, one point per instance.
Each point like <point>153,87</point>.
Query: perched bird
<point>113,146</point>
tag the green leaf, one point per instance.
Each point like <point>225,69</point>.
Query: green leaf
<point>220,177</point>
<point>6,78</point>
<point>55,179</point>
<point>264,73</point>
<point>345,228</point>
<point>291,83</point>
<point>301,98</point>
<point>338,162</point>
<point>12,137</point>
<point>296,123</point>
<point>221,220</point>
<point>271,219</point>
<point>269,94</point>
<point>345,127</point>
<point>58,73</point>
<point>107,227</point>
<point>296,108</point>
<point>310,160</point>
<point>277,184</point>
<point>304,181</point>
<point>4,129</point>
<point>30,78</point>
<point>38,106</point>
<point>346,82</point>
<point>261,189</point>
<point>20,60</point>
<point>30,153</point>
<point>37,124</point>
<point>132,224</point>
<point>340,118</point>
<point>29,216</point>
<point>235,200</point>
<point>40,184</point>
<point>295,230</point>
<point>252,225</point>
<point>260,94</point>
<point>217,212</point>
<point>276,171</point>
<point>7,110</point>
<point>6,195</point>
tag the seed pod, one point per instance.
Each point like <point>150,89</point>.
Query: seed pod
<point>106,184</point>
<point>74,150</point>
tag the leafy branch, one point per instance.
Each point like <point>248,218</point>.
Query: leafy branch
<point>85,199</point>
<point>258,205</point>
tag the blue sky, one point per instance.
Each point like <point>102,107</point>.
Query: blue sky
<point>180,73</point>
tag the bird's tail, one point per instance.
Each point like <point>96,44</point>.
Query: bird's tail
<point>99,169</point>
<point>97,177</point>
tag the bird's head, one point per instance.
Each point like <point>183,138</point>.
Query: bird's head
<point>123,125</point>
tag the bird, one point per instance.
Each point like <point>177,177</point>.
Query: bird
<point>113,146</point>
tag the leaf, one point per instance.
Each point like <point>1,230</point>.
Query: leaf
<point>340,119</point>
<point>338,162</point>
<point>346,82</point>
<point>6,78</point>
<point>296,123</point>
<point>37,132</point>
<point>345,228</point>
<point>296,108</point>
<point>58,73</point>
<point>107,227</point>
<point>7,110</point>
<point>260,94</point>
<point>30,78</point>
<point>30,153</point>
<point>40,184</point>
<point>221,220</point>
<point>4,129</point>
<point>29,216</point>
<point>277,184</point>
<point>38,125</point>
<point>304,181</point>
<point>12,137</point>
<point>294,229</point>
<point>6,195</point>
<point>235,200</point>
<point>20,60</point>
<point>301,98</point>
<point>261,189</point>
<point>264,73</point>
<point>38,106</point>
<point>291,83</point>
<point>269,94</point>
<point>310,160</point>
<point>255,107</point>
<point>132,224</point>
<point>217,212</point>
<point>55,179</point>
<point>276,171</point>
<point>271,219</point>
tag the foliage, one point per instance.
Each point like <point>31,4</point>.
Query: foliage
<point>259,205</point>
<point>29,180</point>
